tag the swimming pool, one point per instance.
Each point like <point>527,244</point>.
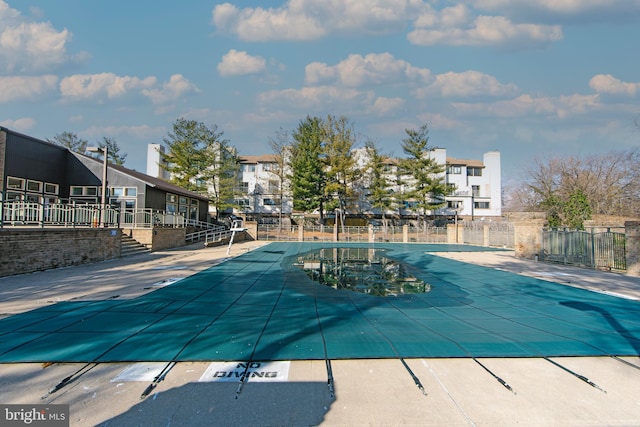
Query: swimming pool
<point>262,306</point>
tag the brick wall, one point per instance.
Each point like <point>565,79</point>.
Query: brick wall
<point>28,250</point>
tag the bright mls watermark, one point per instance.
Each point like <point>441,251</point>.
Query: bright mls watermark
<point>34,415</point>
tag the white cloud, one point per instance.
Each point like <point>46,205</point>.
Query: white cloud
<point>31,46</point>
<point>461,28</point>
<point>20,125</point>
<point>606,83</point>
<point>358,70</point>
<point>456,25</point>
<point>236,63</point>
<point>382,106</point>
<point>317,98</point>
<point>466,84</point>
<point>177,87</point>
<point>563,10</point>
<point>99,86</point>
<point>312,19</point>
<point>142,132</point>
<point>266,24</point>
<point>438,121</point>
<point>528,106</point>
<point>17,88</point>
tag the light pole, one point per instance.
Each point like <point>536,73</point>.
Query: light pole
<point>103,202</point>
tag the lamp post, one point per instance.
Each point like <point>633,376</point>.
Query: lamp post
<point>103,202</point>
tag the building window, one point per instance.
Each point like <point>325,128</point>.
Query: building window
<point>454,170</point>
<point>78,191</point>
<point>248,168</point>
<point>51,188</point>
<point>193,213</point>
<point>34,186</point>
<point>475,190</point>
<point>172,205</point>
<point>474,171</point>
<point>481,205</point>
<point>268,202</point>
<point>131,191</point>
<point>15,183</point>
<point>454,204</point>
<point>243,203</point>
<point>273,186</point>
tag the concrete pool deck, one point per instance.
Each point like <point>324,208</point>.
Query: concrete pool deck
<point>367,392</point>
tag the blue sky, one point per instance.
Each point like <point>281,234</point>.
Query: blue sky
<point>531,79</point>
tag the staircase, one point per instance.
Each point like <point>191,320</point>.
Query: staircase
<point>129,246</point>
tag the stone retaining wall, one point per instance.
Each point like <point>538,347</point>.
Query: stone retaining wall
<point>28,250</point>
<point>159,238</point>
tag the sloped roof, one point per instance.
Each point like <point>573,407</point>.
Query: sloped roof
<point>151,181</point>
<point>465,162</point>
<point>263,158</point>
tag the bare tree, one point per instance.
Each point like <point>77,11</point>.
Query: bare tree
<point>610,184</point>
<point>281,146</point>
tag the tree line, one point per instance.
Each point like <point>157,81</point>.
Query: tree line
<point>571,190</point>
<point>316,164</point>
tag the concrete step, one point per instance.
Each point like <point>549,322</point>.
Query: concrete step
<point>129,246</point>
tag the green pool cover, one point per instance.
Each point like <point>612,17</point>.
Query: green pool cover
<point>264,306</point>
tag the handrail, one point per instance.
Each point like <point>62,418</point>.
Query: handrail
<point>210,235</point>
<point>18,213</point>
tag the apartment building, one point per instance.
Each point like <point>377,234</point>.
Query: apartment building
<point>476,187</point>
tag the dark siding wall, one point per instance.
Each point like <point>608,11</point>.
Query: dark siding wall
<point>79,174</point>
<point>156,199</point>
<point>38,160</point>
<point>203,211</point>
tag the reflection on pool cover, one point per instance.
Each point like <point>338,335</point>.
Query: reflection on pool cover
<point>364,270</point>
<point>259,307</point>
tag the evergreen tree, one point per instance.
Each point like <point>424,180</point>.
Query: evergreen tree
<point>577,210</point>
<point>425,175</point>
<point>71,141</point>
<point>113,150</point>
<point>185,158</point>
<point>308,177</point>
<point>380,194</point>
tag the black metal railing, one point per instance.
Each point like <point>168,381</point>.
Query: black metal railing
<point>603,250</point>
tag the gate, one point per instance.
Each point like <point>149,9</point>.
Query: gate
<point>599,250</point>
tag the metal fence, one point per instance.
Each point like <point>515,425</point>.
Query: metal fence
<point>603,250</point>
<point>499,234</point>
<point>319,233</point>
<point>19,213</point>
<point>71,215</point>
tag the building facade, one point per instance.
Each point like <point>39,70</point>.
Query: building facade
<point>476,187</point>
<point>476,184</point>
<point>36,171</point>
